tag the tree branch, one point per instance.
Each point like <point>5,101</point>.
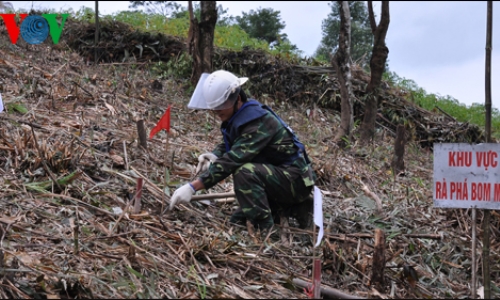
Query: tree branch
<point>371,16</point>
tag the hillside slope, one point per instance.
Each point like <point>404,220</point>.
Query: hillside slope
<point>69,239</point>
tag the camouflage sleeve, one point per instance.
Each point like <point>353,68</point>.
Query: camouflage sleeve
<point>219,150</point>
<point>254,137</point>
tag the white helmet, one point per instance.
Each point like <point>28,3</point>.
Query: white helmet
<point>213,90</point>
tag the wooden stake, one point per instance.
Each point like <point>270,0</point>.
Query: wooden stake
<point>125,154</point>
<point>317,278</point>
<point>398,163</point>
<point>285,229</point>
<point>166,151</point>
<point>473,250</point>
<point>316,269</point>
<point>378,265</point>
<point>76,231</point>
<point>141,131</point>
<point>137,198</point>
<point>486,254</point>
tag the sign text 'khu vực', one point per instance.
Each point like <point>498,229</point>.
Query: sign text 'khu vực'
<point>467,175</point>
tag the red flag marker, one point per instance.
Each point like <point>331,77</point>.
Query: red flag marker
<point>164,123</point>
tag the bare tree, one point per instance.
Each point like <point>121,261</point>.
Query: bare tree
<point>486,218</point>
<point>377,67</point>
<point>96,37</point>
<point>341,62</point>
<point>201,38</point>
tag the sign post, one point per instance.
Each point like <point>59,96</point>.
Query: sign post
<point>467,176</point>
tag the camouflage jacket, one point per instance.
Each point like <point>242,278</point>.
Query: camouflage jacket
<point>256,136</point>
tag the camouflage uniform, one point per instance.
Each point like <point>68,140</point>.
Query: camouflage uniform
<point>269,171</point>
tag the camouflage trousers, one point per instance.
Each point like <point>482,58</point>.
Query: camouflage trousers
<point>263,189</point>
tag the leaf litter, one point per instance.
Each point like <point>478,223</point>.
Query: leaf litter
<point>69,163</point>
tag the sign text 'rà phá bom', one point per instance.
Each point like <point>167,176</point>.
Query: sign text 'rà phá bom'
<point>467,175</point>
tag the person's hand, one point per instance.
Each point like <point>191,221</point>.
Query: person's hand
<point>204,161</point>
<point>182,195</point>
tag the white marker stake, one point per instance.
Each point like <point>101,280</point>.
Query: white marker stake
<point>1,104</point>
<point>318,213</point>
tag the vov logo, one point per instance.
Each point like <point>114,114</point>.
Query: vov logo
<point>34,29</point>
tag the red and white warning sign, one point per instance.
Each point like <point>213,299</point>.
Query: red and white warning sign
<point>467,175</point>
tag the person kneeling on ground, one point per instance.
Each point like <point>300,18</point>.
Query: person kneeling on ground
<point>271,170</point>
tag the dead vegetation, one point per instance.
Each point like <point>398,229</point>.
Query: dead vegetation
<point>274,77</point>
<point>70,162</point>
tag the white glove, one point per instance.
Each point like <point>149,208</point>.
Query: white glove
<point>182,195</point>
<point>204,161</point>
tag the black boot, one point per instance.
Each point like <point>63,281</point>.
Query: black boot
<point>238,217</point>
<point>303,213</point>
<point>265,227</point>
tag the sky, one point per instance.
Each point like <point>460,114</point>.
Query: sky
<point>440,45</point>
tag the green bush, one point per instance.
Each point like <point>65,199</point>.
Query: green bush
<point>474,114</point>
<point>234,38</point>
<point>179,67</point>
<point>230,37</point>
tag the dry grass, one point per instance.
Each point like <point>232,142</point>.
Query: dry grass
<point>63,238</point>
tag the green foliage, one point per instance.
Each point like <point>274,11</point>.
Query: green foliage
<point>234,38</point>
<point>86,14</point>
<point>227,34</point>
<point>361,35</point>
<point>474,114</point>
<point>229,37</point>
<point>16,106</point>
<point>263,24</point>
<point>202,287</point>
<point>174,10</point>
<point>152,22</point>
<point>179,67</point>
<point>287,49</point>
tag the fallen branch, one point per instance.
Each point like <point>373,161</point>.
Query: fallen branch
<point>423,236</point>
<point>57,71</point>
<point>325,291</point>
<point>369,235</point>
<point>214,196</point>
<point>128,63</point>
<point>61,182</point>
<point>24,122</point>
<point>150,186</point>
<point>78,201</point>
<point>446,114</point>
<point>24,227</point>
<point>373,196</point>
<point>83,89</point>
